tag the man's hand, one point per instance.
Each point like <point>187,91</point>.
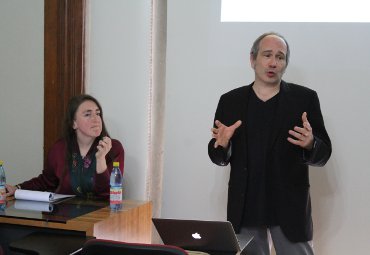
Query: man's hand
<point>222,133</point>
<point>303,135</point>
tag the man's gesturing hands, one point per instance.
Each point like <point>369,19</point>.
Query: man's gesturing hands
<point>303,135</point>
<point>223,133</point>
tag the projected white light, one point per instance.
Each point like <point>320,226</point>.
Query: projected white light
<point>294,11</point>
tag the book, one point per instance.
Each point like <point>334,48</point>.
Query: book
<point>42,196</point>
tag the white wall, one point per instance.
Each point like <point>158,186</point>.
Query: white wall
<point>21,87</point>
<point>119,79</point>
<point>206,58</point>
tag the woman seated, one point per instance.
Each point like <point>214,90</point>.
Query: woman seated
<point>81,162</point>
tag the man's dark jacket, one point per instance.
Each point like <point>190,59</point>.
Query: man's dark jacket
<point>289,162</point>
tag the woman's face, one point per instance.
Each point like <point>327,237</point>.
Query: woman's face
<point>87,121</point>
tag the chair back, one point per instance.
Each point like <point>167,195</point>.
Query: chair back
<point>103,247</point>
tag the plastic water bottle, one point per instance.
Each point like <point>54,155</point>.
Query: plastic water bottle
<point>116,188</point>
<point>2,186</point>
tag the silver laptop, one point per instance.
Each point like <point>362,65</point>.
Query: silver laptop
<point>213,237</point>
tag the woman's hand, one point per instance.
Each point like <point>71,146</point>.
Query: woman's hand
<point>10,190</point>
<point>104,146</point>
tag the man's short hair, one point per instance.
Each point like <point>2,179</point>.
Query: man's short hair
<point>256,45</point>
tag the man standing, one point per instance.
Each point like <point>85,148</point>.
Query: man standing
<point>269,132</point>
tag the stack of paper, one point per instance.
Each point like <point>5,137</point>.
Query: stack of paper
<point>42,196</point>
<point>36,200</point>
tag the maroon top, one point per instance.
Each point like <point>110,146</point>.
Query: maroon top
<point>56,177</point>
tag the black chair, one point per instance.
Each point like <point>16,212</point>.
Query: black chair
<point>103,247</point>
<point>40,243</point>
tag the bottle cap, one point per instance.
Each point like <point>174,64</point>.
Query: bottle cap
<point>1,162</point>
<point>115,164</point>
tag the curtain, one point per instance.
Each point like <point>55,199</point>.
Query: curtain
<point>157,105</point>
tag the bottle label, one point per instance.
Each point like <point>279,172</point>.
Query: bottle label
<point>2,195</point>
<point>115,195</point>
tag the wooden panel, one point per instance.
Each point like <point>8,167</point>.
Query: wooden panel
<point>132,224</point>
<point>64,52</point>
